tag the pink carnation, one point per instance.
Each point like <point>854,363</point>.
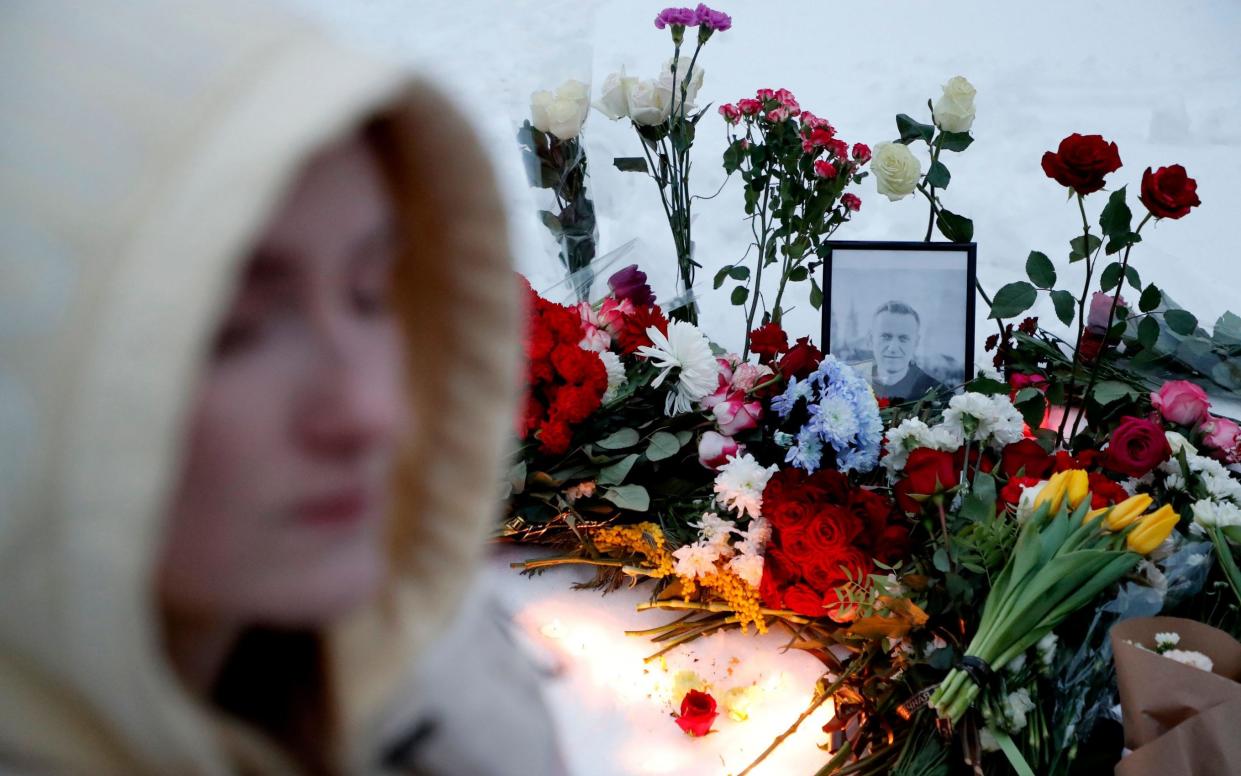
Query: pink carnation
<point>861,153</point>
<point>852,202</point>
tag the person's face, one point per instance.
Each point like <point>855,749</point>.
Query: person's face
<point>894,338</point>
<point>298,415</point>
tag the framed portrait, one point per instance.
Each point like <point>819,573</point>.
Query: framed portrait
<point>902,313</point>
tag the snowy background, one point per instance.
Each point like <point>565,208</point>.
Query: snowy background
<point>1161,80</point>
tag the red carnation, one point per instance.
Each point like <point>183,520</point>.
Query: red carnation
<point>1081,162</point>
<point>1064,460</point>
<point>802,359</point>
<point>1138,445</point>
<point>631,334</point>
<point>1104,491</point>
<point>1169,192</point>
<point>697,713</point>
<point>768,341</point>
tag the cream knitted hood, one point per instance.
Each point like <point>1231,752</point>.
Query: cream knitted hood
<point>144,143</point>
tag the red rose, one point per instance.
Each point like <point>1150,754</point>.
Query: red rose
<point>697,713</point>
<point>1081,162</point>
<point>768,341</point>
<point>1090,346</point>
<point>980,460</point>
<point>1169,192</point>
<point>804,599</point>
<point>1010,494</point>
<point>893,544</point>
<point>927,473</point>
<point>802,359</point>
<point>1026,457</point>
<point>1104,491</point>
<point>1138,446</point>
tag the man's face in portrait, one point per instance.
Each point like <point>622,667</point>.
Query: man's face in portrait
<point>894,339</point>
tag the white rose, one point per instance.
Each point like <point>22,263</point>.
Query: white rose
<point>954,111</point>
<point>614,96</point>
<point>670,89</point>
<point>648,104</point>
<point>896,170</point>
<point>563,113</point>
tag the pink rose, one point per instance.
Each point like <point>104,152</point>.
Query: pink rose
<point>1222,436</point>
<point>749,107</point>
<point>824,169</point>
<point>765,94</point>
<point>714,449</point>
<point>735,414</point>
<point>731,113</point>
<point>1181,402</point>
<point>1100,305</point>
<point>861,153</point>
<point>778,114</point>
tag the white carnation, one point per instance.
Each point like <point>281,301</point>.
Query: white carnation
<point>616,374</point>
<point>1167,639</point>
<point>982,418</point>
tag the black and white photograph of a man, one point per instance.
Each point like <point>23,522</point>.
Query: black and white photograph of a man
<point>901,314</point>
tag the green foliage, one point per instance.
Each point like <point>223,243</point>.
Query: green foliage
<point>1040,270</point>
<point>1065,304</point>
<point>630,164</point>
<point>662,445</point>
<point>910,129</point>
<point>956,228</point>
<point>938,175</point>
<point>619,439</point>
<point>1182,322</point>
<point>955,141</point>
<point>1013,299</point>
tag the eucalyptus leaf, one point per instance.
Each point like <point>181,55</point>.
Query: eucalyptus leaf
<point>662,445</point>
<point>631,497</point>
<point>616,473</point>
<point>620,439</point>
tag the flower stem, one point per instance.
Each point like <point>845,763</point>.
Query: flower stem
<point>1081,319</point>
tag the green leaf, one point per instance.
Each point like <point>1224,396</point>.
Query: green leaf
<point>1148,333</point>
<point>1134,279</point>
<point>1013,299</point>
<point>954,227</point>
<point>1081,247</point>
<point>619,439</point>
<point>816,294</point>
<point>940,560</point>
<point>1064,302</point>
<point>662,445</point>
<point>955,141</point>
<point>1227,331</point>
<point>684,436</point>
<point>1109,391</point>
<point>938,176</point>
<point>911,130</point>
<point>738,272</point>
<point>1040,270</point>
<point>1116,216</point>
<point>739,295</point>
<point>1182,322</point>
<point>1110,277</point>
<point>616,473</point>
<point>630,164</point>
<point>732,157</point>
<point>1151,298</point>
<point>631,497</point>
<point>721,276</point>
<point>798,274</point>
<point>979,505</point>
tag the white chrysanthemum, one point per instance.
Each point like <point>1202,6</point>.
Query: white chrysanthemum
<point>1016,706</point>
<point>687,350</point>
<point>1220,513</point>
<point>740,482</point>
<point>616,374</point>
<point>1167,639</point>
<point>695,560</point>
<point>1174,482</point>
<point>756,536</point>
<point>1179,443</point>
<point>749,568</point>
<point>1190,658</point>
<point>984,418</point>
<point>714,529</point>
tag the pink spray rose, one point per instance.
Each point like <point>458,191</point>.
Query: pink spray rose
<point>1181,402</point>
<point>1223,437</point>
<point>735,414</point>
<point>749,107</point>
<point>714,449</point>
<point>824,169</point>
<point>731,113</point>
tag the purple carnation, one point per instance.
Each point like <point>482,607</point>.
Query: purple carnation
<point>713,20</point>
<point>630,283</point>
<point>685,17</point>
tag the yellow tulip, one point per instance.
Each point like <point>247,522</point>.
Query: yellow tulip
<point>1127,511</point>
<point>1152,530</point>
<point>1078,487</point>
<point>1053,492</point>
<point>1095,513</point>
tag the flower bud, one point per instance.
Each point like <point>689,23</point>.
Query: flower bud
<point>1127,511</point>
<point>1152,530</point>
<point>1053,492</point>
<point>1078,487</point>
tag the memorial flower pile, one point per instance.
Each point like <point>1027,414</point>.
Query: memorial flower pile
<point>954,560</point>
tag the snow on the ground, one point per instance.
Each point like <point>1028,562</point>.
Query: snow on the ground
<point>1161,80</point>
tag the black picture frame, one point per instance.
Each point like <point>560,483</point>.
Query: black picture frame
<point>842,254</point>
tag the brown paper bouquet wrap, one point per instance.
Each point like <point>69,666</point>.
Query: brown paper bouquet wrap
<point>1178,719</point>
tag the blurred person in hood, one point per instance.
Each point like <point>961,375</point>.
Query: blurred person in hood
<point>258,362</point>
